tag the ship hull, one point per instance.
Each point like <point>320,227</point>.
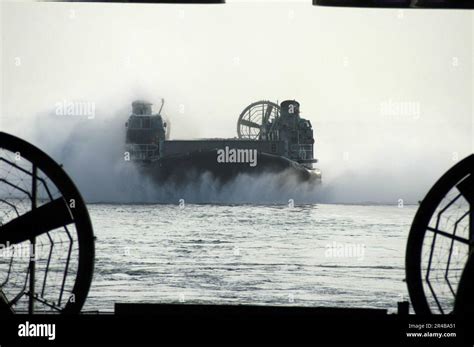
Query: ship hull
<point>188,167</point>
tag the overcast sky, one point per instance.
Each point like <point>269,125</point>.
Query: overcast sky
<point>389,92</point>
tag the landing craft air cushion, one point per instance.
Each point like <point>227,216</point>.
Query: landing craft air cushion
<point>271,138</point>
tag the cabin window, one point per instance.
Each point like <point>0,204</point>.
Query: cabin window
<point>146,123</point>
<point>135,123</point>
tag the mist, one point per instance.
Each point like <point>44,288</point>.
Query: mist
<point>389,95</point>
<point>91,150</point>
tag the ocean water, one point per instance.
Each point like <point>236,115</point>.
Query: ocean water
<point>306,255</point>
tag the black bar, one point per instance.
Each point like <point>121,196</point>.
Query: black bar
<point>232,311</point>
<point>421,4</point>
<point>45,218</point>
<point>340,326</point>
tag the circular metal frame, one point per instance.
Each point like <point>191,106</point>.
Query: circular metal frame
<point>79,215</point>
<point>427,209</point>
<point>254,117</point>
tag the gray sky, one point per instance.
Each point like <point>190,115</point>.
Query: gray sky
<point>389,92</point>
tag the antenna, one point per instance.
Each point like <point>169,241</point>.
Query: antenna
<point>162,103</point>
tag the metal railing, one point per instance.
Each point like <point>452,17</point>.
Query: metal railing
<point>302,152</point>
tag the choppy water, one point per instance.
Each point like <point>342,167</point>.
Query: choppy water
<point>311,255</point>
